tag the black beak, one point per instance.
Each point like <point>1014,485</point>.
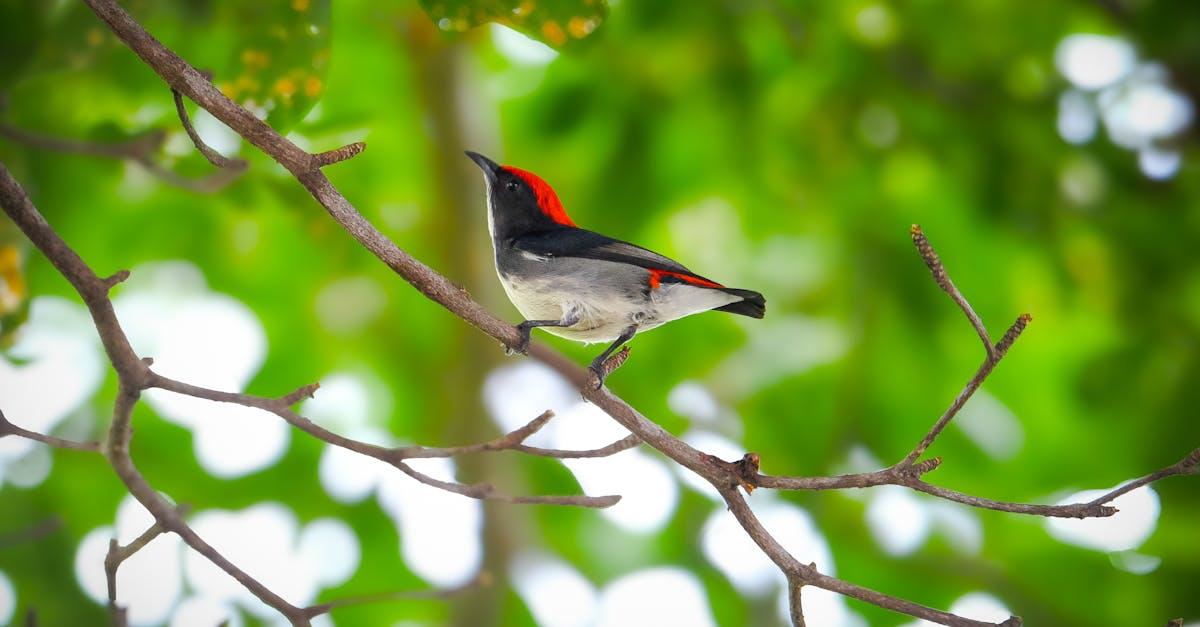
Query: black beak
<point>490,168</point>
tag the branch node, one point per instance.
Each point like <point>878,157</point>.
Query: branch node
<point>930,257</point>
<point>336,155</point>
<point>111,281</point>
<point>1011,335</point>
<point>1013,621</point>
<point>301,393</point>
<point>746,470</point>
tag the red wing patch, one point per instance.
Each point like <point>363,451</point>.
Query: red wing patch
<point>547,200</point>
<point>656,277</point>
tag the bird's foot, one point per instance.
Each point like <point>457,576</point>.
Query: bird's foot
<point>597,368</point>
<point>604,367</point>
<point>522,347</point>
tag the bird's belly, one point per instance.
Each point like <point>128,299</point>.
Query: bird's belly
<point>603,313</point>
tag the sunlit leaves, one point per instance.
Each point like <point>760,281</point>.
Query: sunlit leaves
<point>555,22</point>
<point>14,290</point>
<point>277,56</point>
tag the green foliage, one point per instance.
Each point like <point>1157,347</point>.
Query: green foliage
<point>780,146</point>
<point>558,23</point>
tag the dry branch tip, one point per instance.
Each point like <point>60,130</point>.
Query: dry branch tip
<point>926,466</point>
<point>301,393</point>
<point>337,155</point>
<point>111,281</point>
<point>616,361</point>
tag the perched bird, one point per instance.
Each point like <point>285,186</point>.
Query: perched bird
<point>582,285</point>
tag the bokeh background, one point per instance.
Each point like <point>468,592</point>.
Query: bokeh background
<point>1048,149</point>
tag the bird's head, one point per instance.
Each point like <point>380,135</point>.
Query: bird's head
<point>520,201</point>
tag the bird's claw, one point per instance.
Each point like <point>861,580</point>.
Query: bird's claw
<point>598,370</point>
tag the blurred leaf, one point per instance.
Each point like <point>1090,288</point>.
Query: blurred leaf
<point>554,22</point>
<point>277,57</point>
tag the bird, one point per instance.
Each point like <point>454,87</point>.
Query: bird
<point>581,285</point>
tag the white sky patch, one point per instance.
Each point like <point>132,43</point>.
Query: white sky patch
<point>1077,117</point>
<point>555,593</point>
<point>30,469</point>
<point>211,340</point>
<point>201,610</point>
<point>898,521</point>
<point>219,137</point>
<point>726,545</point>
<point>519,48</point>
<point>1152,110</point>
<point>1094,61</point>
<point>439,531</point>
<point>148,583</point>
<point>957,523</point>
<point>1136,101</point>
<point>692,400</point>
<point>974,605</point>
<point>1134,562</point>
<point>821,607</point>
<point>648,492</point>
<point>8,599</point>
<point>331,548</point>
<point>1125,530</point>
<point>348,400</point>
<point>1159,164</point>
<point>655,597</point>
<point>713,444</point>
<point>62,368</point>
<point>267,541</point>
<point>350,477</point>
<point>517,393</point>
<point>991,426</point>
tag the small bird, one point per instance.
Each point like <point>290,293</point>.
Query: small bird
<point>582,285</point>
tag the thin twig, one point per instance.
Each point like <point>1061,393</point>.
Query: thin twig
<point>393,456</point>
<point>481,580</point>
<point>214,157</point>
<point>337,155</point>
<point>623,444</point>
<point>7,428</point>
<point>505,442</point>
<point>140,150</point>
<point>994,353</point>
<point>942,278</point>
<point>117,554</point>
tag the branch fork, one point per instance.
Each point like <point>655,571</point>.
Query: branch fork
<point>726,477</point>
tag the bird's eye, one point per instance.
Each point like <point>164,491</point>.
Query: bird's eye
<point>512,186</point>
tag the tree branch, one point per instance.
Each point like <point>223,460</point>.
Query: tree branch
<point>140,150</point>
<point>117,554</point>
<point>725,476</point>
<point>7,428</point>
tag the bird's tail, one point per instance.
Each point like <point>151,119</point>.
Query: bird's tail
<point>752,304</point>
